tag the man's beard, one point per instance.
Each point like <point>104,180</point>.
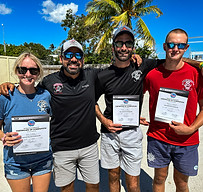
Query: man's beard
<point>73,72</point>
<point>118,53</point>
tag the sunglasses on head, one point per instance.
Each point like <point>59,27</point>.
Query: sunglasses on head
<point>128,44</point>
<point>23,70</point>
<point>70,55</point>
<point>179,45</point>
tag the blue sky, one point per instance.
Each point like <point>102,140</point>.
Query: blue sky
<point>38,21</point>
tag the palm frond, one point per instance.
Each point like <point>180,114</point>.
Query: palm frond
<point>105,39</point>
<point>144,32</point>
<point>123,18</point>
<point>108,14</point>
<point>148,10</point>
<point>142,3</point>
<point>97,5</point>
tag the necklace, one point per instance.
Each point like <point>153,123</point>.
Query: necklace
<point>30,96</point>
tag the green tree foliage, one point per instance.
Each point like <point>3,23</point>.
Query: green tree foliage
<point>37,49</point>
<point>52,47</point>
<point>145,51</point>
<point>89,36</point>
<point>110,14</point>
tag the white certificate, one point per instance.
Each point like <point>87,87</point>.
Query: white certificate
<point>34,131</point>
<point>126,110</point>
<point>171,105</point>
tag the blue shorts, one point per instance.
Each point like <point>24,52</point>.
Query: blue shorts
<point>184,158</point>
<point>35,169</point>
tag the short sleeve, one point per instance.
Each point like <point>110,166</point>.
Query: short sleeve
<point>2,106</point>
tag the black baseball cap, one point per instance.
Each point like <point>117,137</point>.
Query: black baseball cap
<point>123,29</point>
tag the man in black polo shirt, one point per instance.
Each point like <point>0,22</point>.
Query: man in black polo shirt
<point>121,147</point>
<point>73,126</point>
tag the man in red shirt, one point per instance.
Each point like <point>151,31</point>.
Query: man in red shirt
<point>175,89</point>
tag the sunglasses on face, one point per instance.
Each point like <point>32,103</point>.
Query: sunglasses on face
<point>70,55</point>
<point>23,70</point>
<point>128,44</point>
<point>179,45</point>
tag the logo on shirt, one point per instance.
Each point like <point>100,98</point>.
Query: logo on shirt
<point>58,87</point>
<point>43,105</point>
<point>136,75</point>
<point>85,86</point>
<point>187,83</point>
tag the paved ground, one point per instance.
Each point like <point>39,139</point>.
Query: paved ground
<point>195,183</point>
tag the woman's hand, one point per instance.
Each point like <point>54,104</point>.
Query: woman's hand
<point>12,138</point>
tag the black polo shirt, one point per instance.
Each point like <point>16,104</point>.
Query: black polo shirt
<point>73,123</point>
<point>122,81</point>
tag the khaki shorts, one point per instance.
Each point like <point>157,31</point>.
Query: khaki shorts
<point>85,159</point>
<point>123,149</point>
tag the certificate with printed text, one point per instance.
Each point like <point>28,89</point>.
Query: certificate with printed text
<point>126,110</point>
<point>171,105</point>
<point>34,131</point>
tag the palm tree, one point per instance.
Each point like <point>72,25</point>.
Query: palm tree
<point>51,47</point>
<point>110,14</point>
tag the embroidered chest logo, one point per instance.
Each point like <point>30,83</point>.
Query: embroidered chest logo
<point>136,75</point>
<point>58,87</point>
<point>85,86</point>
<point>188,84</point>
<point>43,105</point>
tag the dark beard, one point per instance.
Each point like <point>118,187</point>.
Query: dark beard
<point>70,71</point>
<point>123,59</point>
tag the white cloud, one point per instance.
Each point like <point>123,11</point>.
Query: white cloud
<point>56,12</point>
<point>4,10</point>
<point>140,42</point>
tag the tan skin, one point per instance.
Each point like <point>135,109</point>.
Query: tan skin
<point>174,61</point>
<point>74,67</point>
<point>40,183</point>
<point>132,182</point>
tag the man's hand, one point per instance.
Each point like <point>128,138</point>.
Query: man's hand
<point>136,59</point>
<point>180,128</point>
<point>4,87</point>
<point>111,126</point>
<point>143,121</point>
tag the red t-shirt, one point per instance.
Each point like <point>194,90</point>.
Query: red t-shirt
<point>188,79</point>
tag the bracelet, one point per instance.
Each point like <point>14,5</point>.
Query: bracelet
<point>201,65</point>
<point>3,140</point>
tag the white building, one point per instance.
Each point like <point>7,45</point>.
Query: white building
<point>196,55</point>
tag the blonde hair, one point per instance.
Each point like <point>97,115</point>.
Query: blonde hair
<point>20,59</point>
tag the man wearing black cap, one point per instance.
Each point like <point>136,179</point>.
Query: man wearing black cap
<point>121,146</point>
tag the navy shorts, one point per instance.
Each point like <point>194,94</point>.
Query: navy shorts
<point>184,158</point>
